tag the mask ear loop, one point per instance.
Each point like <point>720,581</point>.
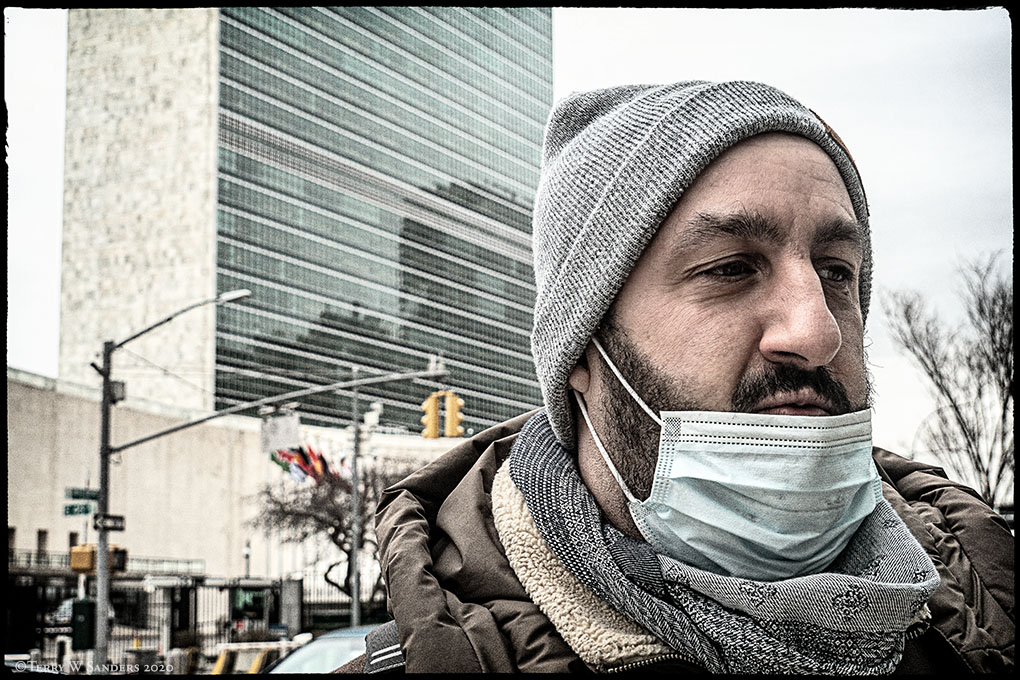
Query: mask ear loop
<point>626,385</point>
<point>602,449</point>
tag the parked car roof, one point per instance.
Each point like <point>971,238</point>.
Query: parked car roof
<point>325,653</point>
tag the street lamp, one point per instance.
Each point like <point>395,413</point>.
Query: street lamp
<point>113,391</point>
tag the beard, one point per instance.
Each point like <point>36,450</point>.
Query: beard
<point>632,437</point>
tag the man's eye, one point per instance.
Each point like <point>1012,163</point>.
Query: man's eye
<point>731,270</point>
<point>836,273</point>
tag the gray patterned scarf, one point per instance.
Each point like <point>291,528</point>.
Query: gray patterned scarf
<point>851,619</point>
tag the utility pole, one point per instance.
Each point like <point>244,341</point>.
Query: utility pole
<point>103,558</point>
<point>356,499</point>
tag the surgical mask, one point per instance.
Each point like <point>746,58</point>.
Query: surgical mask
<point>755,496</point>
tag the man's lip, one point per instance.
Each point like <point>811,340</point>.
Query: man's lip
<point>801,403</point>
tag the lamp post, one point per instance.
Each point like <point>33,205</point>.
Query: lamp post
<point>112,392</point>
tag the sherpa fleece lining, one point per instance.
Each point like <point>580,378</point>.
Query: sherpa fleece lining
<point>596,632</point>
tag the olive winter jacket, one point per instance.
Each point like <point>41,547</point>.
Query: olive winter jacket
<point>458,606</point>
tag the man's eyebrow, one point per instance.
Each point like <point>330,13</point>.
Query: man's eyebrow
<point>841,229</point>
<point>704,228</point>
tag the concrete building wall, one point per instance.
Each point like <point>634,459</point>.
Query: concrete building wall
<point>185,496</point>
<point>140,197</point>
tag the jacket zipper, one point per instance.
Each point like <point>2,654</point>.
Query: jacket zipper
<point>645,662</point>
<point>916,631</point>
<point>919,626</point>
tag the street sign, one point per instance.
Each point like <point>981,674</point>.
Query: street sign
<point>77,509</point>
<point>108,522</point>
<point>77,493</point>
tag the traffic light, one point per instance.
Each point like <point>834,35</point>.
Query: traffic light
<point>453,416</point>
<point>118,558</point>
<point>83,558</point>
<point>431,418</point>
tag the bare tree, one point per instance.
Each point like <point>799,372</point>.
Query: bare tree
<point>319,504</point>
<point>970,371</point>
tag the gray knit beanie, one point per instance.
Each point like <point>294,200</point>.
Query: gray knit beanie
<point>615,162</point>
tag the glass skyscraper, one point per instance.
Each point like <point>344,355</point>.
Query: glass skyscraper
<point>376,169</point>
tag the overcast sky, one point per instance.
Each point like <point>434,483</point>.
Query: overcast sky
<point>921,98</point>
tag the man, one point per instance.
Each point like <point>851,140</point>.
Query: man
<point>700,491</point>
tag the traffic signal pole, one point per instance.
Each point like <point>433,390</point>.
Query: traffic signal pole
<point>113,392</point>
<point>106,449</point>
<point>103,558</point>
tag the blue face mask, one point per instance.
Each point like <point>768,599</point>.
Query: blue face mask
<point>761,497</point>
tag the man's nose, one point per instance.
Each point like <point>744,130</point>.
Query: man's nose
<point>798,327</point>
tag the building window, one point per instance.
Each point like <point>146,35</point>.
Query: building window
<point>72,539</point>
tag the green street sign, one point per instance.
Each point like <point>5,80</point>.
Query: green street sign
<point>80,494</point>
<point>77,509</point>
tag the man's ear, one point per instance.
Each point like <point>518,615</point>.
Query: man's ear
<point>580,377</point>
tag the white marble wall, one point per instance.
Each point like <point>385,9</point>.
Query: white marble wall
<point>140,198</point>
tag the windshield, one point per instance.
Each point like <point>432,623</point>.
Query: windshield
<point>321,656</point>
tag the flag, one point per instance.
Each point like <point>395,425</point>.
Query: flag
<point>328,468</point>
<point>296,473</point>
<point>274,456</point>
<point>303,460</point>
<point>324,462</point>
<point>285,456</point>
<point>316,463</point>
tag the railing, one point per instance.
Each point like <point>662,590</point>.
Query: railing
<point>38,560</point>
<point>160,565</point>
<point>155,616</point>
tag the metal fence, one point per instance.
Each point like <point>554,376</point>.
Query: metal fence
<point>160,617</point>
<point>325,607</point>
<point>152,614</point>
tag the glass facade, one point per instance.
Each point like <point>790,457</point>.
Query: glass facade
<point>376,169</point>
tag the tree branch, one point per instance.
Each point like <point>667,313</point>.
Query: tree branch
<point>970,371</point>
